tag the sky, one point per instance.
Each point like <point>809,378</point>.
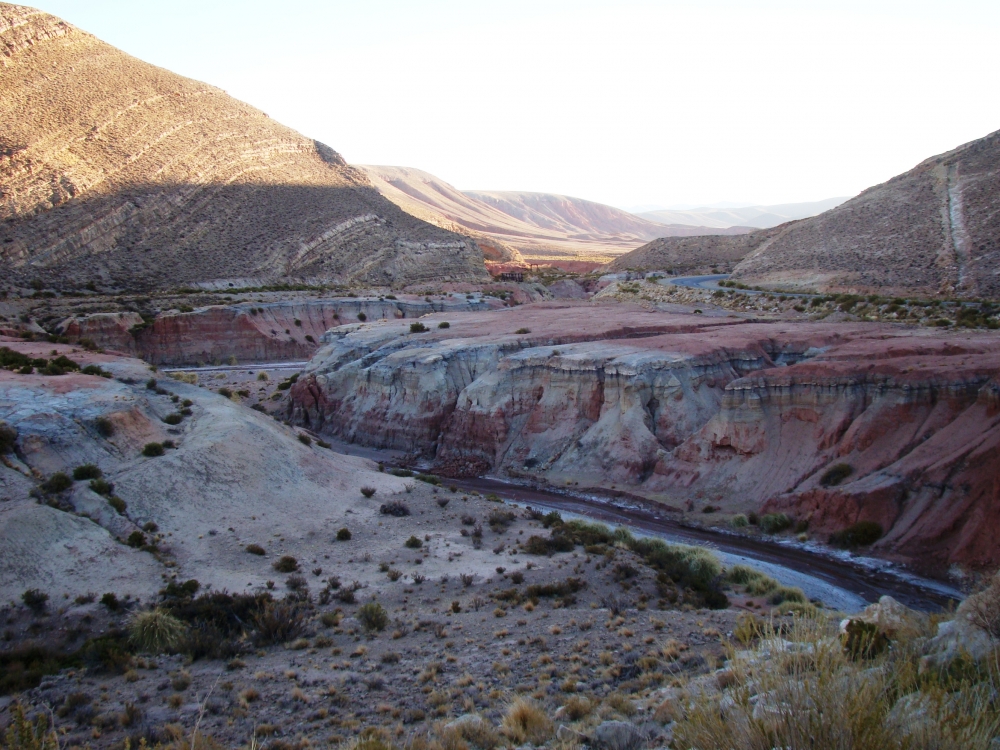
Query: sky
<point>624,102</point>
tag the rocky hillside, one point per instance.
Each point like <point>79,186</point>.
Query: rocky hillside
<point>691,409</point>
<point>691,255</point>
<point>932,230</point>
<point>118,172</point>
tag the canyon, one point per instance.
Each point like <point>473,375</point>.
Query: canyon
<point>689,411</point>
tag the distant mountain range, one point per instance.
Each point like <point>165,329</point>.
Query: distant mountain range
<point>759,217</point>
<point>536,225</point>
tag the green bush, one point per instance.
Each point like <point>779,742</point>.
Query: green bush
<point>58,482</point>
<point>117,503</point>
<point>305,439</point>
<point>417,327</point>
<point>225,392</point>
<point>835,475</point>
<point>775,523</point>
<point>344,535</point>
<point>86,471</point>
<point>151,450</point>
<point>110,601</point>
<point>136,539</point>
<point>372,616</point>
<point>523,330</point>
<point>413,543</point>
<point>860,534</point>
<point>738,521</point>
<point>256,549</point>
<point>173,419</point>
<point>444,324</point>
<point>362,317</point>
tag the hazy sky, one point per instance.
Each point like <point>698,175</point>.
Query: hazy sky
<point>622,102</point>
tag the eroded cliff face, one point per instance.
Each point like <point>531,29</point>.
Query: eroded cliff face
<point>684,408</point>
<point>271,332</point>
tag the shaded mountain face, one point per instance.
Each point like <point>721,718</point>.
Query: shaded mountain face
<point>693,255</point>
<point>116,171</point>
<point>932,230</point>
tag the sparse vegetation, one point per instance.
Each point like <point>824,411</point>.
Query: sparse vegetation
<point>151,450</point>
<point>835,475</point>
<point>368,491</point>
<point>286,564</point>
<point>860,534</point>
<point>373,617</point>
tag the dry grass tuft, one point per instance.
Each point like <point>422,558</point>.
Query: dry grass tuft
<point>526,721</point>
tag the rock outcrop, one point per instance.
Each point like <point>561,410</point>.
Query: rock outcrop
<point>681,407</point>
<point>267,332</point>
<point>117,172</point>
<point>232,476</point>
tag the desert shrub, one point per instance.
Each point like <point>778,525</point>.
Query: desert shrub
<point>787,594</point>
<point>117,503</point>
<point>86,471</point>
<point>225,392</point>
<point>401,472</point>
<point>394,508</point>
<point>373,617</point>
<point>417,327</point>
<point>296,583</point>
<point>256,549</point>
<point>286,564</point>
<point>523,330</point>
<point>775,523</point>
<point>35,600</point>
<point>429,478</point>
<point>499,519</point>
<point>110,601</point>
<point>279,622</point>
<point>859,534</point>
<point>8,438</point>
<point>738,521</point>
<point>835,475</point>
<point>136,539</point>
<point>344,535</point>
<point>155,631</point>
<point>305,439</point>
<point>58,482</point>
<point>151,450</point>
<point>526,721</point>
<point>174,419</point>
<point>22,734</point>
<point>105,427</point>
<point>444,324</point>
<point>414,542</point>
<point>368,491</point>
<point>362,317</point>
<point>102,487</point>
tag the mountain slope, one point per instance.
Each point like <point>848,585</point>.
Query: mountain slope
<point>932,230</point>
<point>113,170</point>
<point>762,217</point>
<point>691,255</point>
<point>539,225</point>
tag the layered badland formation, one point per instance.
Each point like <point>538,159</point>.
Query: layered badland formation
<point>686,409</point>
<point>934,230</point>
<point>539,226</point>
<point>117,172</point>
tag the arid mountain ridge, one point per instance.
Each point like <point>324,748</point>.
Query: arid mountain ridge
<point>934,230</point>
<point>118,172</point>
<point>539,226</point>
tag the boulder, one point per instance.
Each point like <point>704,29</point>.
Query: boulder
<point>889,619</point>
<point>618,735</point>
